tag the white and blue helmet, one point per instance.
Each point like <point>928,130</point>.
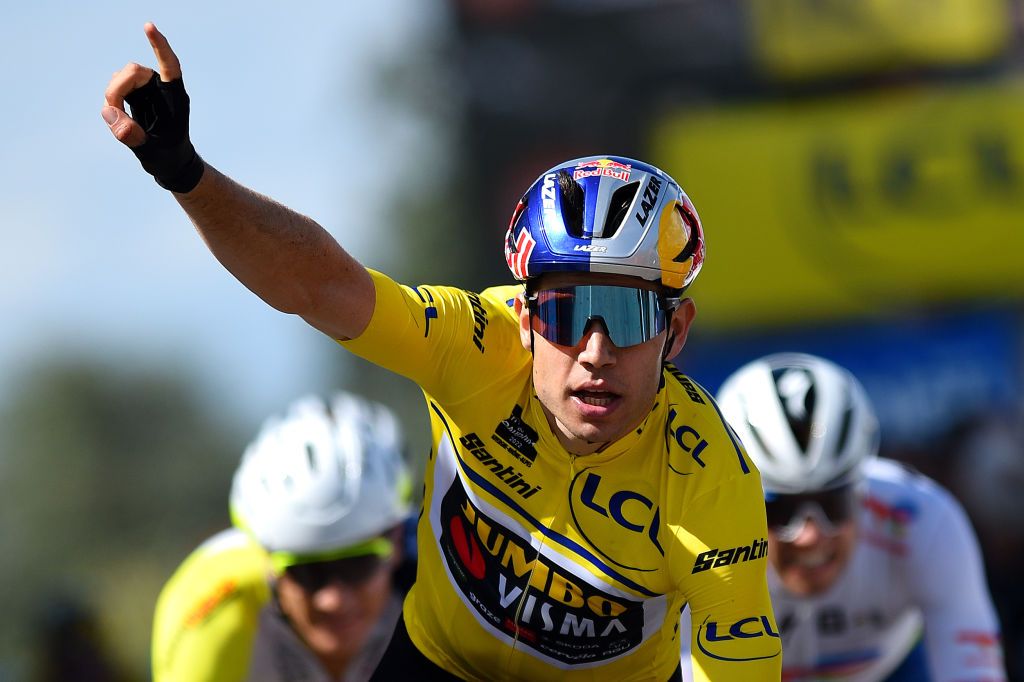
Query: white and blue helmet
<point>607,214</point>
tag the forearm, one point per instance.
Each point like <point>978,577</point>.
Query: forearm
<point>282,256</point>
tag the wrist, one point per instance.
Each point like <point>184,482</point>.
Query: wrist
<point>186,178</point>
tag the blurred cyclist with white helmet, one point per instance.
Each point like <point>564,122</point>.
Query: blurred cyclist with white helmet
<point>874,569</point>
<point>575,475</point>
<point>303,587</point>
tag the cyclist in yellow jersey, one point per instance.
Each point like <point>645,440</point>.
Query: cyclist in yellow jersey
<point>578,483</point>
<point>304,587</point>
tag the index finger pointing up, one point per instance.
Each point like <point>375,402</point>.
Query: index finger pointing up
<point>167,61</point>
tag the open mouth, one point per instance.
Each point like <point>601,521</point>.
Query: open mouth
<point>595,398</point>
<point>814,560</point>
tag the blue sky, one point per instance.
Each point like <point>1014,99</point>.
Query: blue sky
<point>98,261</point>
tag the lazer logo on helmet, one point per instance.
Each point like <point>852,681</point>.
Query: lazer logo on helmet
<point>716,558</point>
<point>747,639</point>
<point>522,594</point>
<point>649,199</point>
<point>590,248</point>
<point>548,193</point>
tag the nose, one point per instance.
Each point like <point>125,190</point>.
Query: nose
<point>810,533</point>
<point>597,348</point>
<point>332,596</point>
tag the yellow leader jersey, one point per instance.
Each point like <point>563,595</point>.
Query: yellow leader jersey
<point>538,564</point>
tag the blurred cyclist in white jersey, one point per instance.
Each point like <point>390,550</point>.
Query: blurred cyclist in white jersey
<point>874,570</point>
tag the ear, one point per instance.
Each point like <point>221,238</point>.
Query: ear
<point>525,331</point>
<point>679,326</point>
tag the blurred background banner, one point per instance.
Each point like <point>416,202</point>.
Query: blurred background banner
<point>858,166</point>
<point>842,205</point>
<point>926,374</point>
<point>814,39</point>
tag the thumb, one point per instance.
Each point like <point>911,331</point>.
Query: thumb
<point>123,127</point>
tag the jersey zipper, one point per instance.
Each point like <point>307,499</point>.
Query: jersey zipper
<point>543,541</point>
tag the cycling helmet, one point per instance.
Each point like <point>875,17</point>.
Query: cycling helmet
<point>325,477</point>
<point>805,422</point>
<point>606,214</point>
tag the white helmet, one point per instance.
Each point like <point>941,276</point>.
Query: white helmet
<point>322,479</point>
<point>805,422</point>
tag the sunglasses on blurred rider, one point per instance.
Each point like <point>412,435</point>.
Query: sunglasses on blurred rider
<point>352,570</point>
<point>829,509</point>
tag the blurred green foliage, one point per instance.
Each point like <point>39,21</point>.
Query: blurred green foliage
<point>109,477</point>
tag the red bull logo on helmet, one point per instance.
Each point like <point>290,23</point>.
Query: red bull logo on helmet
<point>605,168</point>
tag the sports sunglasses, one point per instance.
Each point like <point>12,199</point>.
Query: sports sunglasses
<point>352,569</point>
<point>631,316</point>
<point>828,508</point>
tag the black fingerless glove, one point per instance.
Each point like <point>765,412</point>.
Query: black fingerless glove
<point>167,154</point>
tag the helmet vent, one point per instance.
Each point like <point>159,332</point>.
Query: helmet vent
<point>618,208</point>
<point>310,458</point>
<point>760,441</point>
<point>795,388</point>
<point>844,427</point>
<point>691,246</point>
<point>572,204</point>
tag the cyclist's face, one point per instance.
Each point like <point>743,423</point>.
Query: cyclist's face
<point>595,392</point>
<point>814,558</point>
<point>335,617</point>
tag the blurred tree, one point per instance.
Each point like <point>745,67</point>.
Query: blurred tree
<point>423,236</point>
<point>108,476</point>
<point>67,645</point>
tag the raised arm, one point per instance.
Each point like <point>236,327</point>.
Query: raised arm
<point>284,257</point>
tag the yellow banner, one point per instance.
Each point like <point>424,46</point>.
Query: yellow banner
<point>839,207</point>
<point>800,39</point>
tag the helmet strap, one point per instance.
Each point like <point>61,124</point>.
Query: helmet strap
<point>670,338</point>
<point>526,302</point>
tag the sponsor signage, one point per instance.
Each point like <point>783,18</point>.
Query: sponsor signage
<point>748,639</point>
<point>605,168</point>
<point>523,594</point>
<point>923,374</point>
<point>801,39</point>
<point>830,208</point>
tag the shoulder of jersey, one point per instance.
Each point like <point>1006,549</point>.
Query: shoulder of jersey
<point>224,567</point>
<point>503,297</point>
<point>888,476</point>
<point>697,428</point>
<point>900,490</point>
<point>690,398</point>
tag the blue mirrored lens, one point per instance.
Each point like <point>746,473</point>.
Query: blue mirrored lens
<point>629,315</point>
